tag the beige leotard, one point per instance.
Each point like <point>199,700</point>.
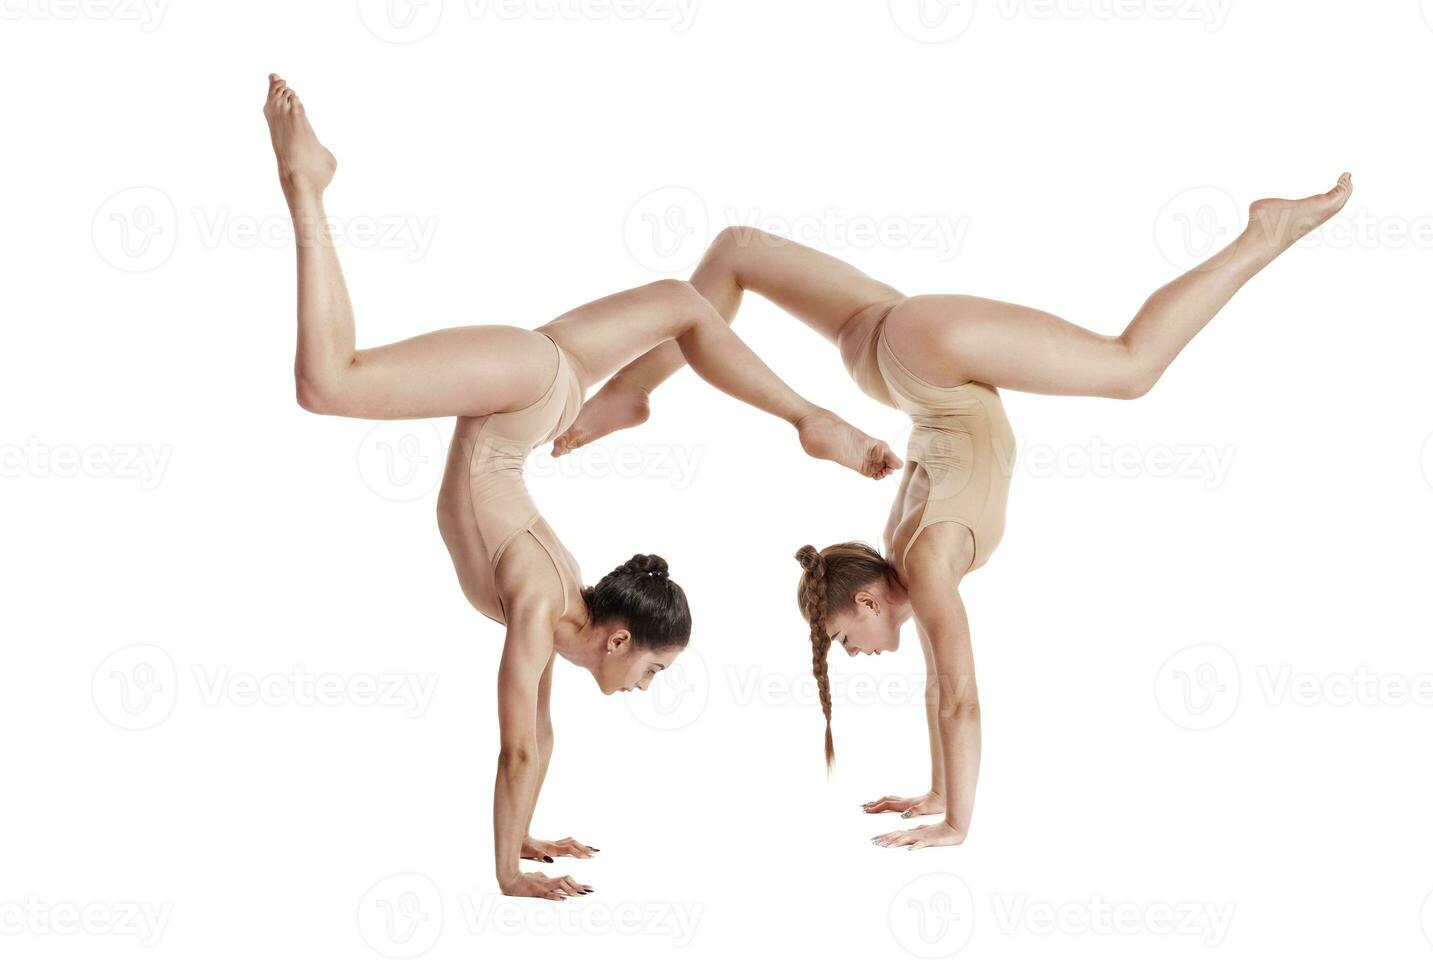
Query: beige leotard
<point>484,504</point>
<point>960,454</point>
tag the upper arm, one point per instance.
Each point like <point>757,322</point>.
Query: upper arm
<point>525,673</point>
<point>940,618</point>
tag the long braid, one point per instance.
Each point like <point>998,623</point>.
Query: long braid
<point>813,604</point>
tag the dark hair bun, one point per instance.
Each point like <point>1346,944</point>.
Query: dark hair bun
<point>639,595</point>
<point>653,565</point>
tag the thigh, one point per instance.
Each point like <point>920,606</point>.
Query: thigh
<point>818,289</point>
<point>607,334</point>
<point>462,371</point>
<point>951,340</point>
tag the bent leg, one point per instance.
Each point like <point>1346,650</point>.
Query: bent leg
<point>819,290</point>
<point>1009,346</point>
<point>466,371</point>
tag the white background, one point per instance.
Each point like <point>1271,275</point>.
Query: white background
<point>513,162</point>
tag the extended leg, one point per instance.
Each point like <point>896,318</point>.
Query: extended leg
<point>964,338</point>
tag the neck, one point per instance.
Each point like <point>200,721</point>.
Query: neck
<point>579,644</point>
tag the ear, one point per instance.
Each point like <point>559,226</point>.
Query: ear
<point>869,600</point>
<point>619,641</point>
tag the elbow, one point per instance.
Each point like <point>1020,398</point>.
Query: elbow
<point>314,394</point>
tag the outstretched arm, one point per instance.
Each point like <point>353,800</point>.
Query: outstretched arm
<point>527,654</point>
<point>533,848</point>
<point>934,568</point>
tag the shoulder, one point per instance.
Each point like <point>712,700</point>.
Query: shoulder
<point>937,561</point>
<point>528,584</point>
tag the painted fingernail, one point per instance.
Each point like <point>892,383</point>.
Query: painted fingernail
<point>594,848</point>
<point>547,859</point>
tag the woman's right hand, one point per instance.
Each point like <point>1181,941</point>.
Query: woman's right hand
<point>533,884</point>
<point>908,806</point>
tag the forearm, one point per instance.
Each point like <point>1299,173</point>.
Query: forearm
<point>937,745</point>
<point>959,729</point>
<point>544,756</point>
<point>514,796</point>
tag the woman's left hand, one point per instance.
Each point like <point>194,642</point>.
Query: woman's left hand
<point>545,850</point>
<point>931,835</point>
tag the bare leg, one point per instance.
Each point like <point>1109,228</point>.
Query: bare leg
<point>463,371</point>
<point>821,291</point>
<point>604,335</point>
<point>963,338</point>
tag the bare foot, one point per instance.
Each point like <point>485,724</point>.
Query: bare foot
<point>305,166</point>
<point>1279,222</point>
<point>611,409</point>
<point>826,436</point>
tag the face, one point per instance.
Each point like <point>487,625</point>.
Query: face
<point>626,668</point>
<point>869,626</point>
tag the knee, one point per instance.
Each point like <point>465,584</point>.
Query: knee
<point>682,299</point>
